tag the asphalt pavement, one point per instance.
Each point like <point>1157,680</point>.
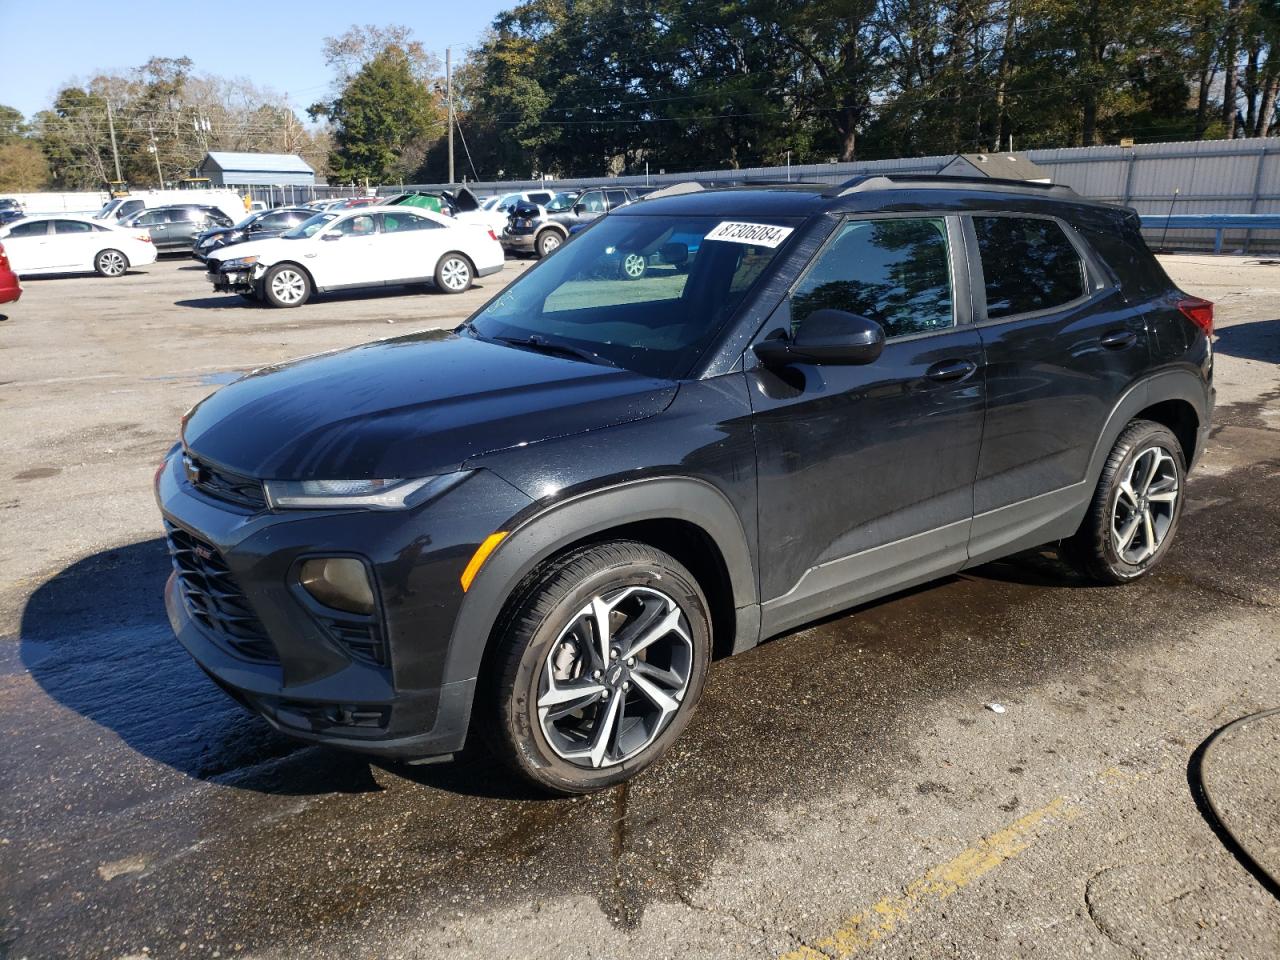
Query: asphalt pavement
<point>844,790</point>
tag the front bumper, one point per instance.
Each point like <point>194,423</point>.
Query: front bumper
<point>232,281</point>
<point>313,686</point>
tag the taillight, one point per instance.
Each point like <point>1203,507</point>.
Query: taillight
<point>145,236</point>
<point>1199,312</point>
<point>492,235</point>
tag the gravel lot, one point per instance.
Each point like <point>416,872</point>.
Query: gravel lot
<point>843,790</point>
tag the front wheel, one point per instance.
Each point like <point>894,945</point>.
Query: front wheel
<point>111,263</point>
<point>549,241</point>
<point>1135,509</point>
<point>286,286</point>
<point>600,668</point>
<point>453,273</point>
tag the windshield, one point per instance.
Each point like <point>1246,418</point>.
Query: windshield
<point>648,293</point>
<point>110,208</point>
<point>561,202</point>
<point>309,227</point>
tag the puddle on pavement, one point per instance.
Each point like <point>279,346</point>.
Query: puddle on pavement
<point>338,842</point>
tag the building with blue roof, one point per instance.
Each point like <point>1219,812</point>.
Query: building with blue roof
<point>226,169</point>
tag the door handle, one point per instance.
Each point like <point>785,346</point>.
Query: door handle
<point>949,371</point>
<point>1118,339</point>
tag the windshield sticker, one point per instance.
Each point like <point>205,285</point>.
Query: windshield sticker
<point>755,234</point>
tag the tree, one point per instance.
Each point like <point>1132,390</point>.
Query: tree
<point>23,167</point>
<point>382,122</point>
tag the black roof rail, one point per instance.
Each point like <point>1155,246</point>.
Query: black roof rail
<point>886,181</point>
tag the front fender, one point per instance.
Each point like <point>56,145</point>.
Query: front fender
<point>550,530</point>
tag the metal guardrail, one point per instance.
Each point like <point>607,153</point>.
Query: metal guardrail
<point>1220,223</point>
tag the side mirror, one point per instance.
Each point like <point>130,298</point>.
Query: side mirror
<point>826,336</point>
<point>579,209</point>
<point>332,236</point>
<point>676,254</point>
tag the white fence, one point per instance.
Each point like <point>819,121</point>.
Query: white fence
<point>89,201</point>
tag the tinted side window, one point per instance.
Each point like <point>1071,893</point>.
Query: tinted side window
<point>1027,265</point>
<point>400,222</point>
<point>593,201</point>
<point>616,197</point>
<point>128,207</point>
<point>33,228</point>
<point>71,226</point>
<point>896,272</point>
<point>1127,254</point>
<point>359,226</point>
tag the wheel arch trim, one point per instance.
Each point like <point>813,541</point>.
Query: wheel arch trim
<point>545,533</point>
<point>1165,385</point>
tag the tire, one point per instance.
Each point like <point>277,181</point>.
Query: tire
<point>548,640</point>
<point>633,266</point>
<point>454,274</point>
<point>548,242</point>
<point>1134,513</point>
<point>286,285</point>
<point>111,263</point>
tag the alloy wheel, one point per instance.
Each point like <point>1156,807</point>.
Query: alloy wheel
<point>633,266</point>
<point>615,677</point>
<point>112,263</point>
<point>1145,506</point>
<point>550,243</point>
<point>455,274</point>
<point>288,286</point>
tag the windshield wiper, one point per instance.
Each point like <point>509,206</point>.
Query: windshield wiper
<point>554,347</point>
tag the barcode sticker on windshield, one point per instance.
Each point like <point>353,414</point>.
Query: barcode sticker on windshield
<point>755,234</point>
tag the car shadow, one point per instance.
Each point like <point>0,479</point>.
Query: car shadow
<point>221,301</point>
<point>97,640</point>
<point>1258,340</point>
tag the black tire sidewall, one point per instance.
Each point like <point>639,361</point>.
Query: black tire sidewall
<point>270,297</point>
<point>542,240</point>
<point>439,275</point>
<point>97,263</point>
<point>1135,440</point>
<point>533,755</point>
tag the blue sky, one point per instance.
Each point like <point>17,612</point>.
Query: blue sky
<point>277,45</point>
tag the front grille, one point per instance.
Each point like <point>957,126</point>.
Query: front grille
<point>223,484</point>
<point>214,598</point>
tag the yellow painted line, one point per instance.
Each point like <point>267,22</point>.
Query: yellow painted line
<point>886,916</point>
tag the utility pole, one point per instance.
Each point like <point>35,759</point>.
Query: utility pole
<point>155,152</point>
<point>448,88</point>
<point>115,151</point>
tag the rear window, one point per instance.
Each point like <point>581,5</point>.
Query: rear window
<point>1126,253</point>
<point>1028,265</point>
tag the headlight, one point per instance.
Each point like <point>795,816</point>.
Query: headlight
<point>396,494</point>
<point>239,263</point>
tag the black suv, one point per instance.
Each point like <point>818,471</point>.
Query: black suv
<point>174,228</point>
<point>256,226</point>
<point>541,528</point>
<point>529,231</point>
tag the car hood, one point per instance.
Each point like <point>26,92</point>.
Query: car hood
<point>269,249</point>
<point>409,407</point>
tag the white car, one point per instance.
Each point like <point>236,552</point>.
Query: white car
<point>61,243</point>
<point>365,247</point>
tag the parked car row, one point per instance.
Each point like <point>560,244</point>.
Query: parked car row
<point>366,247</point>
<point>539,230</point>
<point>64,243</point>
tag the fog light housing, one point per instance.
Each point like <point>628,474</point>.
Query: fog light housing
<point>338,582</point>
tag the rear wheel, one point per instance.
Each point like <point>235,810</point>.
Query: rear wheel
<point>601,667</point>
<point>286,286</point>
<point>549,241</point>
<point>453,273</point>
<point>111,263</point>
<point>1136,507</point>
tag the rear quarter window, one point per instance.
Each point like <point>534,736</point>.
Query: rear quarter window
<point>1028,265</point>
<point>1121,247</point>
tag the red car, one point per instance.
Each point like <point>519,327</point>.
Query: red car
<point>10,288</point>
